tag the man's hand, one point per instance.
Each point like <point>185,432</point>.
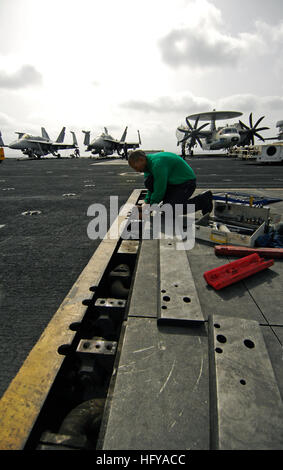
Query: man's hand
<point>142,208</point>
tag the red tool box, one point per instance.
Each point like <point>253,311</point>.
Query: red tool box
<point>232,250</point>
<point>235,271</point>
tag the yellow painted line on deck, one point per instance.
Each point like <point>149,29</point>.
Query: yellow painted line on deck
<point>24,398</point>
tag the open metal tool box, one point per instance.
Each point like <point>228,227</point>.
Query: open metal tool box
<point>233,223</point>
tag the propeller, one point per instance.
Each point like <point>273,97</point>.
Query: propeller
<point>253,130</point>
<point>192,134</point>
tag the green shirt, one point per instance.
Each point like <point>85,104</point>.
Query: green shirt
<point>166,168</point>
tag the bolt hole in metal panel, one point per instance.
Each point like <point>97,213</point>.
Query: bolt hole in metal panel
<point>246,409</point>
<point>179,302</point>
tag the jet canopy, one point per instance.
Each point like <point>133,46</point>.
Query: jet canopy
<point>229,130</point>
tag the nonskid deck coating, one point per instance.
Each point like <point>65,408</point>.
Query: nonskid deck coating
<point>42,255</point>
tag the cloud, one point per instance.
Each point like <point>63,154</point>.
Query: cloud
<point>5,120</point>
<point>161,116</point>
<point>167,104</point>
<point>24,77</point>
<point>195,49</point>
<point>204,43</point>
<point>272,33</point>
<point>249,102</point>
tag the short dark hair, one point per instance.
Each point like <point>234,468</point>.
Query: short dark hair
<point>135,155</point>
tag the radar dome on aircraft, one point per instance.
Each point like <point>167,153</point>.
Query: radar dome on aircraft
<point>215,115</point>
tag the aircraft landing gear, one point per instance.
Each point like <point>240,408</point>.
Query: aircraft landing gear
<point>30,154</point>
<point>125,152</point>
<point>184,150</point>
<point>190,150</point>
<point>76,154</point>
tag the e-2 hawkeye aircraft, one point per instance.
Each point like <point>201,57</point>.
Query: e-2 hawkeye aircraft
<point>36,147</point>
<point>238,134</point>
<point>105,144</point>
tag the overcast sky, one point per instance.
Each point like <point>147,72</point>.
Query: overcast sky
<point>143,64</point>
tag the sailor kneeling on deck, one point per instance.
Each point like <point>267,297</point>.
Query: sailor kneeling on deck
<point>170,180</point>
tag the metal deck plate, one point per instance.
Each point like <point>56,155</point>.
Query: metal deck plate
<point>232,301</point>
<point>145,289</point>
<point>179,302</point>
<point>245,403</point>
<point>129,247</point>
<point>160,398</point>
<point>272,280</point>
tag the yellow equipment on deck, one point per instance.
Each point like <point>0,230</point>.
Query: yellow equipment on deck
<point>2,154</point>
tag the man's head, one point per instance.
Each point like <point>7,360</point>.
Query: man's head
<point>137,160</point>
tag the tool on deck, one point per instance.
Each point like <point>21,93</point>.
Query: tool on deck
<point>232,250</point>
<point>236,271</point>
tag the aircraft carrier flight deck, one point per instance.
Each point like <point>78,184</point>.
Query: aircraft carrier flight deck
<point>46,256</point>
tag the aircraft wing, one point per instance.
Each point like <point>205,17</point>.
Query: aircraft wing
<point>41,142</point>
<point>57,145</point>
<point>131,144</point>
<point>63,146</point>
<point>112,141</point>
<point>51,144</point>
<point>120,143</point>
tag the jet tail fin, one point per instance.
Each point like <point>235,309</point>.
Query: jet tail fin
<point>123,138</point>
<point>106,130</point>
<point>75,142</point>
<point>1,141</point>
<point>61,136</point>
<point>20,134</point>
<point>87,137</point>
<point>44,134</point>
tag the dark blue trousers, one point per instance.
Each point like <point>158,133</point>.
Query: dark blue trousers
<point>178,193</point>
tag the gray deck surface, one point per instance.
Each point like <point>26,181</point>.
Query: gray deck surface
<point>42,256</point>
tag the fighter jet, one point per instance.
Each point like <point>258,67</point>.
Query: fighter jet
<point>36,147</point>
<point>105,144</point>
<point>238,134</point>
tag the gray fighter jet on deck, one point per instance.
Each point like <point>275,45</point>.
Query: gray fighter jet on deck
<point>105,144</point>
<point>36,147</point>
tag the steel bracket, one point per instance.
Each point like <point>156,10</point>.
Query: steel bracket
<point>179,302</point>
<point>245,404</point>
<point>96,347</point>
